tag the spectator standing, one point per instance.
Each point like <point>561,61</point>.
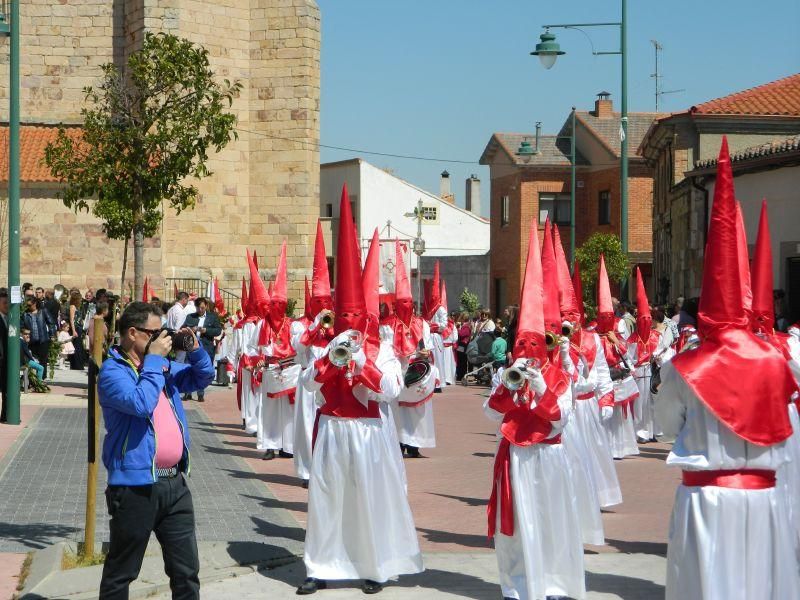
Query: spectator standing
<point>4,305</point>
<point>101,311</point>
<point>464,335</point>
<point>78,358</point>
<point>499,348</point>
<point>177,313</point>
<point>51,306</point>
<point>484,324</point>
<point>67,347</point>
<point>205,325</point>
<point>39,295</point>
<point>139,391</point>
<point>38,323</point>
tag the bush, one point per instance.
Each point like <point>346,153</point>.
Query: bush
<point>469,301</point>
<point>588,257</point>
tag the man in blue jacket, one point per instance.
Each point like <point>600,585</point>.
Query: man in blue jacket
<point>146,452</point>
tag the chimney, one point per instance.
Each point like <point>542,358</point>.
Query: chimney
<point>603,107</point>
<point>444,185</point>
<point>536,150</point>
<point>473,202</point>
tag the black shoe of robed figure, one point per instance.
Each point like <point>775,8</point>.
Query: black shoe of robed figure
<point>437,391</point>
<point>371,587</point>
<point>412,452</point>
<point>305,484</point>
<point>244,426</point>
<point>187,397</point>
<point>283,454</point>
<point>268,455</point>
<point>310,586</point>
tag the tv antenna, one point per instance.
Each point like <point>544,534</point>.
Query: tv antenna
<point>658,77</point>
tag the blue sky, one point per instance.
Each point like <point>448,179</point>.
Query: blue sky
<point>435,78</point>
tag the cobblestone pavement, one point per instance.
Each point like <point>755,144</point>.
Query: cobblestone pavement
<point>43,479</point>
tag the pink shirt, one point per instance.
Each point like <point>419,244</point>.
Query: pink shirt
<point>169,441</point>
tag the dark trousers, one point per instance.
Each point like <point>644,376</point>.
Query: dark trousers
<point>164,508</point>
<point>41,352</point>
<point>461,365</point>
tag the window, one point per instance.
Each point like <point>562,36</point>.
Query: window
<point>329,210</point>
<point>604,208</point>
<point>430,214</point>
<point>555,206</point>
<point>505,211</point>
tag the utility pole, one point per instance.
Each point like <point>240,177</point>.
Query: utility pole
<point>9,26</point>
<point>657,76</point>
<point>419,246</point>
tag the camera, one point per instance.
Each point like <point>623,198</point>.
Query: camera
<point>181,340</point>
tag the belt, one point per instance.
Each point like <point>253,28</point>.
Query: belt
<point>168,473</point>
<point>586,396</point>
<point>740,479</point>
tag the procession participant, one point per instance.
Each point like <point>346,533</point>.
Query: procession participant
<point>730,536</point>
<point>593,391</point>
<point>248,374</point>
<point>533,503</point>
<point>370,283</point>
<point>575,446</point>
<point>310,344</point>
<point>364,530</point>
<point>410,337</point>
<point>449,340</point>
<point>436,316</point>
<point>642,345</point>
<point>762,323</point>
<point>234,349</point>
<point>620,426</point>
<point>276,426</point>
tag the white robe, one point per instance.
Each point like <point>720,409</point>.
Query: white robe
<point>789,473</point>
<point>276,422</point>
<point>440,353</point>
<point>415,424</point>
<point>544,557</point>
<point>724,543</point>
<point>621,434</point>
<point>360,524</point>
<point>250,398</point>
<point>305,405</point>
<point>597,382</point>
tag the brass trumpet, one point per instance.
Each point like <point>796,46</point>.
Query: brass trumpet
<point>341,354</point>
<point>567,329</point>
<point>552,340</point>
<point>327,320</point>
<point>514,378</point>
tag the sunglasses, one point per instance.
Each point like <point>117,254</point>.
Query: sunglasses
<point>150,332</point>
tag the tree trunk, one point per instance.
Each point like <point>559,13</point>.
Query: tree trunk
<point>124,266</point>
<point>138,263</point>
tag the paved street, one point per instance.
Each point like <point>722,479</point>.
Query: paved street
<point>241,498</point>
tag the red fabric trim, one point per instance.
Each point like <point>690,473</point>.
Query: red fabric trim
<point>586,396</point>
<point>428,397</point>
<point>607,400</point>
<point>738,479</point>
<point>291,392</point>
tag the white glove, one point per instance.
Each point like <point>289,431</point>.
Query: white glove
<point>317,320</point>
<point>537,381</point>
<point>564,346</point>
<point>360,359</point>
<point>520,363</point>
<point>341,339</point>
<point>606,412</point>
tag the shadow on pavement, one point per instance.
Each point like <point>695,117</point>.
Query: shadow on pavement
<point>437,536</point>
<point>623,586</point>
<point>274,530</point>
<point>275,503</point>
<point>253,553</point>
<point>266,477</point>
<point>466,500</point>
<point>251,453</point>
<point>483,454</point>
<point>655,548</point>
<point>35,535</point>
<point>462,584</point>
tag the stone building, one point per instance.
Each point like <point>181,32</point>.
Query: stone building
<point>677,143</point>
<point>265,185</point>
<point>530,178</point>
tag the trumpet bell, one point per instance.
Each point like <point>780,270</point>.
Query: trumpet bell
<point>341,355</point>
<point>551,340</point>
<point>513,378</point>
<point>327,320</point>
<point>567,330</point>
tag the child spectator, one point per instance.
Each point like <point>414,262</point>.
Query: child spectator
<point>67,348</point>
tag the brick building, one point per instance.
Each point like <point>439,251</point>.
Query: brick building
<point>677,143</point>
<point>535,183</point>
<point>265,185</point>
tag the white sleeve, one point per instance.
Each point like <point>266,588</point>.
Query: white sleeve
<point>427,340</point>
<point>604,383</point>
<point>440,317</point>
<point>491,413</point>
<point>391,378</point>
<point>670,405</point>
<point>296,332</point>
<point>587,379</point>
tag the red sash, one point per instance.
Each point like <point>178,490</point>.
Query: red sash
<point>739,479</point>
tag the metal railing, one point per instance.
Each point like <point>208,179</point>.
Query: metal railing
<point>199,287</point>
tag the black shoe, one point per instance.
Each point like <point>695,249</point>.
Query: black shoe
<point>403,448</point>
<point>283,454</point>
<point>305,484</point>
<point>268,455</point>
<point>371,587</point>
<point>201,398</point>
<point>310,586</point>
<point>244,425</point>
<point>412,452</point>
<point>187,397</point>
<point>437,391</point>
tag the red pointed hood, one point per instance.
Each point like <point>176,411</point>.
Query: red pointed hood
<point>145,292</point>
<point>567,303</point>
<point>403,301</point>
<point>219,303</point>
<point>255,259</point>
<point>307,300</point>
<point>750,402</point>
<point>434,300</point>
<point>443,296</point>
<point>278,293</point>
<point>258,299</point>
<point>245,306</point>
<point>321,298</point>
<point>744,263</point>
<point>530,321</point>
<point>350,308</point>
<point>370,278</point>
<point>644,320</point>
<point>763,318</point>
<point>605,310</point>
<point>577,285</point>
<point>552,312</point>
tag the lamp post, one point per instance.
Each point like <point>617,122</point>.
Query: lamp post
<point>418,246</point>
<point>9,26</point>
<point>548,50</point>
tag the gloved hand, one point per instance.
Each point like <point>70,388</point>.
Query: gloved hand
<point>520,363</point>
<point>360,359</point>
<point>606,412</point>
<point>564,346</point>
<point>318,320</point>
<point>536,381</point>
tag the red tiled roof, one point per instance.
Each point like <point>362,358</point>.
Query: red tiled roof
<point>775,147</point>
<point>777,98</point>
<point>33,140</point>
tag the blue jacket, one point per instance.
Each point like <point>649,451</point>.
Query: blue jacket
<point>129,398</point>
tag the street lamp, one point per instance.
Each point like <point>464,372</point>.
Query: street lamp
<point>418,246</point>
<point>548,50</point>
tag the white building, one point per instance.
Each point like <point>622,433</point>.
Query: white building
<point>458,237</point>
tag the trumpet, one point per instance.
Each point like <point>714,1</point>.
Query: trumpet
<point>327,320</point>
<point>514,378</point>
<point>341,354</point>
<point>567,329</point>
<point>553,340</point>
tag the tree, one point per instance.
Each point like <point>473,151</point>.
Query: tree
<point>588,257</point>
<point>149,126</point>
<point>469,301</point>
